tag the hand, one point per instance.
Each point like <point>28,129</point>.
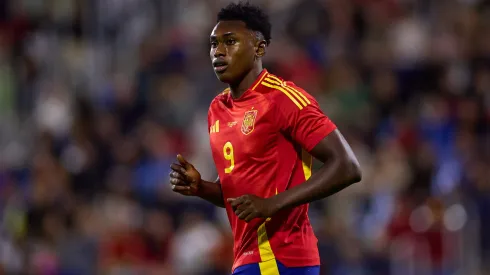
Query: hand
<point>184,178</point>
<point>249,207</point>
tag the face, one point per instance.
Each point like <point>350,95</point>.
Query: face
<point>233,50</point>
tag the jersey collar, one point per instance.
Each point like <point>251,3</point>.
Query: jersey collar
<point>249,92</point>
<point>259,79</point>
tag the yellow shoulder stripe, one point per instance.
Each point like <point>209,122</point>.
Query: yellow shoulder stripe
<point>291,90</point>
<point>227,90</point>
<point>260,80</point>
<point>298,94</point>
<point>277,87</point>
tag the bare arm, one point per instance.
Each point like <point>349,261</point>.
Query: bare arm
<point>211,191</point>
<point>340,169</point>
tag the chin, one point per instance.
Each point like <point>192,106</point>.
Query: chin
<point>225,78</point>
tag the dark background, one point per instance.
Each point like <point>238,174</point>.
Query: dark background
<point>97,98</point>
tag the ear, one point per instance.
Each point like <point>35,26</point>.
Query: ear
<point>260,50</point>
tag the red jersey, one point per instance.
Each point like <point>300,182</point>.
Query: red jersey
<point>260,144</point>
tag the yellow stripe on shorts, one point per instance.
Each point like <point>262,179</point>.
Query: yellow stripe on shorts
<point>268,264</point>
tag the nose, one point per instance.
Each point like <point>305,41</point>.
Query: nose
<point>220,50</point>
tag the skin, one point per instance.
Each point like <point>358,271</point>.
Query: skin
<point>242,50</point>
<point>233,43</point>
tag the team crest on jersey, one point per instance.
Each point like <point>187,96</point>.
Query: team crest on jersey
<point>248,123</point>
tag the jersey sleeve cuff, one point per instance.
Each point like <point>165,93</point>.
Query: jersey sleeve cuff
<point>318,135</point>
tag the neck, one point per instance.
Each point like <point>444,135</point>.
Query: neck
<point>237,90</point>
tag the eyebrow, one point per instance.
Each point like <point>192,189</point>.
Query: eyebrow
<point>224,35</point>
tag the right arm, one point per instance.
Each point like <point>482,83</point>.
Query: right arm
<point>186,180</point>
<point>211,191</point>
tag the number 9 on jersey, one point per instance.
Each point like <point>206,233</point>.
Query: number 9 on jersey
<point>228,154</point>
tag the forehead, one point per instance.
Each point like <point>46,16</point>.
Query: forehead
<point>227,27</point>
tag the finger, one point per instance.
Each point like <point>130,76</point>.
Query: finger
<point>250,217</point>
<point>182,161</point>
<point>179,182</point>
<point>232,201</point>
<point>241,207</point>
<point>180,189</point>
<point>177,175</point>
<point>238,211</point>
<point>177,168</point>
<point>237,201</point>
<point>244,214</point>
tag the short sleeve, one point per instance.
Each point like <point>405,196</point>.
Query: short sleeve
<point>301,118</point>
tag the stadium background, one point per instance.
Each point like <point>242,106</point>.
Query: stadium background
<point>98,96</point>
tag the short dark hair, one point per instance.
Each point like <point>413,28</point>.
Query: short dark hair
<point>253,16</point>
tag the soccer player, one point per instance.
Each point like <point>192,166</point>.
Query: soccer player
<point>263,133</point>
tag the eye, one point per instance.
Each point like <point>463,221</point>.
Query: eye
<point>230,42</point>
<point>214,44</point>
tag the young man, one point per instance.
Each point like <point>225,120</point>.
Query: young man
<point>263,131</point>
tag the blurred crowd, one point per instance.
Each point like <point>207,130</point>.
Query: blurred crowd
<point>98,96</point>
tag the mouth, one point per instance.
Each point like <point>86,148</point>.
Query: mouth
<point>220,66</point>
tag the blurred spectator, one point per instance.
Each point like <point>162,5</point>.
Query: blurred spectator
<point>97,98</point>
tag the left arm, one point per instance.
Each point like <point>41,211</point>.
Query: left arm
<point>340,169</point>
<point>308,126</point>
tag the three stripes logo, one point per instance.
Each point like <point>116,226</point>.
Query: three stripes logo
<point>214,128</point>
<point>298,98</point>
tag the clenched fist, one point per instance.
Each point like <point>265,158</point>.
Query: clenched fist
<point>249,207</point>
<point>184,178</point>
